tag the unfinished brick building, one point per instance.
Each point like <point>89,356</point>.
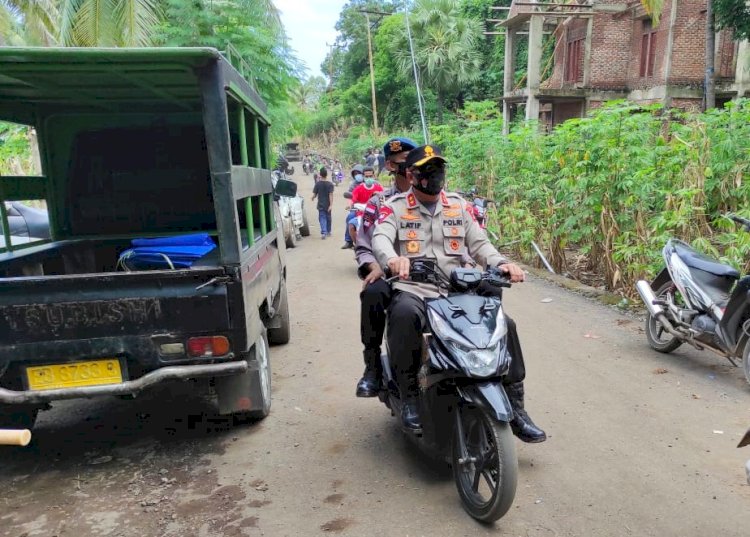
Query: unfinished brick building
<point>610,49</point>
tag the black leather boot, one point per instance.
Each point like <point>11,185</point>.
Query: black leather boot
<point>522,426</point>
<point>410,415</point>
<point>369,384</point>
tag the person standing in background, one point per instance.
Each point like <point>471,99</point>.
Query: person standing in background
<point>323,191</point>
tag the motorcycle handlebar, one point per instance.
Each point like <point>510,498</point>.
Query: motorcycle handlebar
<point>493,275</point>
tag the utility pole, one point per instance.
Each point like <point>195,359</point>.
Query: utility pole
<point>330,66</point>
<point>367,13</point>
<point>372,76</point>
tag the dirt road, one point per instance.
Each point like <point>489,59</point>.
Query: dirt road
<point>639,444</point>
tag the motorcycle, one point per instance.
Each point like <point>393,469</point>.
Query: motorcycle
<point>307,167</point>
<point>478,206</point>
<point>699,301</point>
<point>464,410</point>
<point>338,177</point>
<point>283,166</point>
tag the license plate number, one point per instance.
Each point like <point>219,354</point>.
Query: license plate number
<point>74,375</point>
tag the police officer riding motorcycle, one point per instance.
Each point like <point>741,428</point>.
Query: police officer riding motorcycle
<point>428,223</point>
<point>376,293</point>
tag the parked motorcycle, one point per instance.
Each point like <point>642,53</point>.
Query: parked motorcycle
<point>464,410</point>
<point>700,301</point>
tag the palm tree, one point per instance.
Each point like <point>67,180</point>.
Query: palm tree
<point>445,48</point>
<point>654,8</point>
<point>85,23</point>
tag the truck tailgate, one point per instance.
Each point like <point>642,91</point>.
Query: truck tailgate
<point>54,308</point>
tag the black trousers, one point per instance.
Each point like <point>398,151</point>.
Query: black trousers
<point>375,299</point>
<point>407,320</point>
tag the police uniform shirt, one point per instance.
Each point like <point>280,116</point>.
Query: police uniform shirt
<point>407,228</point>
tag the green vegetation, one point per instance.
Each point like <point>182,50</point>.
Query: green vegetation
<point>253,27</point>
<point>600,194</point>
<point>608,190</point>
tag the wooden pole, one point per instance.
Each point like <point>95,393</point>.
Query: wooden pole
<point>15,437</point>
<point>372,77</point>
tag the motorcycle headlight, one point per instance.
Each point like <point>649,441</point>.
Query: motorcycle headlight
<point>501,329</point>
<point>478,362</point>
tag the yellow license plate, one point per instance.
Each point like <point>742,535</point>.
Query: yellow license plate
<point>74,374</point>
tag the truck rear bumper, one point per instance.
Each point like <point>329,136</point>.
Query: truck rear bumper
<point>130,387</point>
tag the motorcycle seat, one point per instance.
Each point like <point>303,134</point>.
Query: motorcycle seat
<point>697,260</point>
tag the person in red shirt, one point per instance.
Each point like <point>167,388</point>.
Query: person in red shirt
<point>361,195</point>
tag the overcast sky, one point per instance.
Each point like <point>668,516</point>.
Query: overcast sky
<point>310,25</point>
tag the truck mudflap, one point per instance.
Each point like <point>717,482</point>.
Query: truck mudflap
<point>130,387</point>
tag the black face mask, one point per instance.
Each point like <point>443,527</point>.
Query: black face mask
<point>434,181</point>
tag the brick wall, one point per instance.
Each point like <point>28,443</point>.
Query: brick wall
<point>610,49</point>
<point>689,49</point>
<point>692,105</point>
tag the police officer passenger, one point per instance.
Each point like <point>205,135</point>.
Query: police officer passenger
<point>427,222</point>
<point>376,293</point>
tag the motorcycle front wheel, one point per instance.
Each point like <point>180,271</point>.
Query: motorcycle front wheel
<point>659,339</point>
<point>485,466</point>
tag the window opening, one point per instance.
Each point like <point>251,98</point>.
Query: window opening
<point>648,49</point>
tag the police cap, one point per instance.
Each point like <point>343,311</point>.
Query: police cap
<point>398,145</point>
<point>423,154</point>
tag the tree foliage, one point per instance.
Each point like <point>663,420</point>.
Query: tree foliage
<point>733,15</point>
<point>445,48</point>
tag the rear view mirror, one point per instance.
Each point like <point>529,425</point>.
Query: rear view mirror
<point>286,188</point>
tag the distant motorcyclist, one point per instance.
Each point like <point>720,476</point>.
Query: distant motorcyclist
<point>358,178</point>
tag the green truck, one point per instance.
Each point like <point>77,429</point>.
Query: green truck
<point>135,144</point>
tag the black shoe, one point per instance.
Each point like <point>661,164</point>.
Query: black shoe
<point>521,424</point>
<point>410,416</point>
<point>347,245</point>
<point>369,384</point>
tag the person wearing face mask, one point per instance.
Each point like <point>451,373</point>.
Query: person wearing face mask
<point>358,178</point>
<point>428,222</point>
<point>360,196</point>
<point>376,293</point>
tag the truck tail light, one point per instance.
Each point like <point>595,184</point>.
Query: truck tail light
<point>208,346</point>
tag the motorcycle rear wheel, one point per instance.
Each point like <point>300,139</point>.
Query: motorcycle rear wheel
<point>655,331</point>
<point>485,465</point>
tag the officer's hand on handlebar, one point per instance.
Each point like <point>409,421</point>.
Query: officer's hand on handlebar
<point>399,266</point>
<point>515,272</point>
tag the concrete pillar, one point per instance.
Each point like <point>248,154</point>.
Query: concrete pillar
<point>742,73</point>
<point>533,73</point>
<point>587,52</point>
<point>508,74</point>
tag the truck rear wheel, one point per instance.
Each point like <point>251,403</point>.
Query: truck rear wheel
<point>261,393</point>
<point>248,395</point>
<point>281,334</point>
